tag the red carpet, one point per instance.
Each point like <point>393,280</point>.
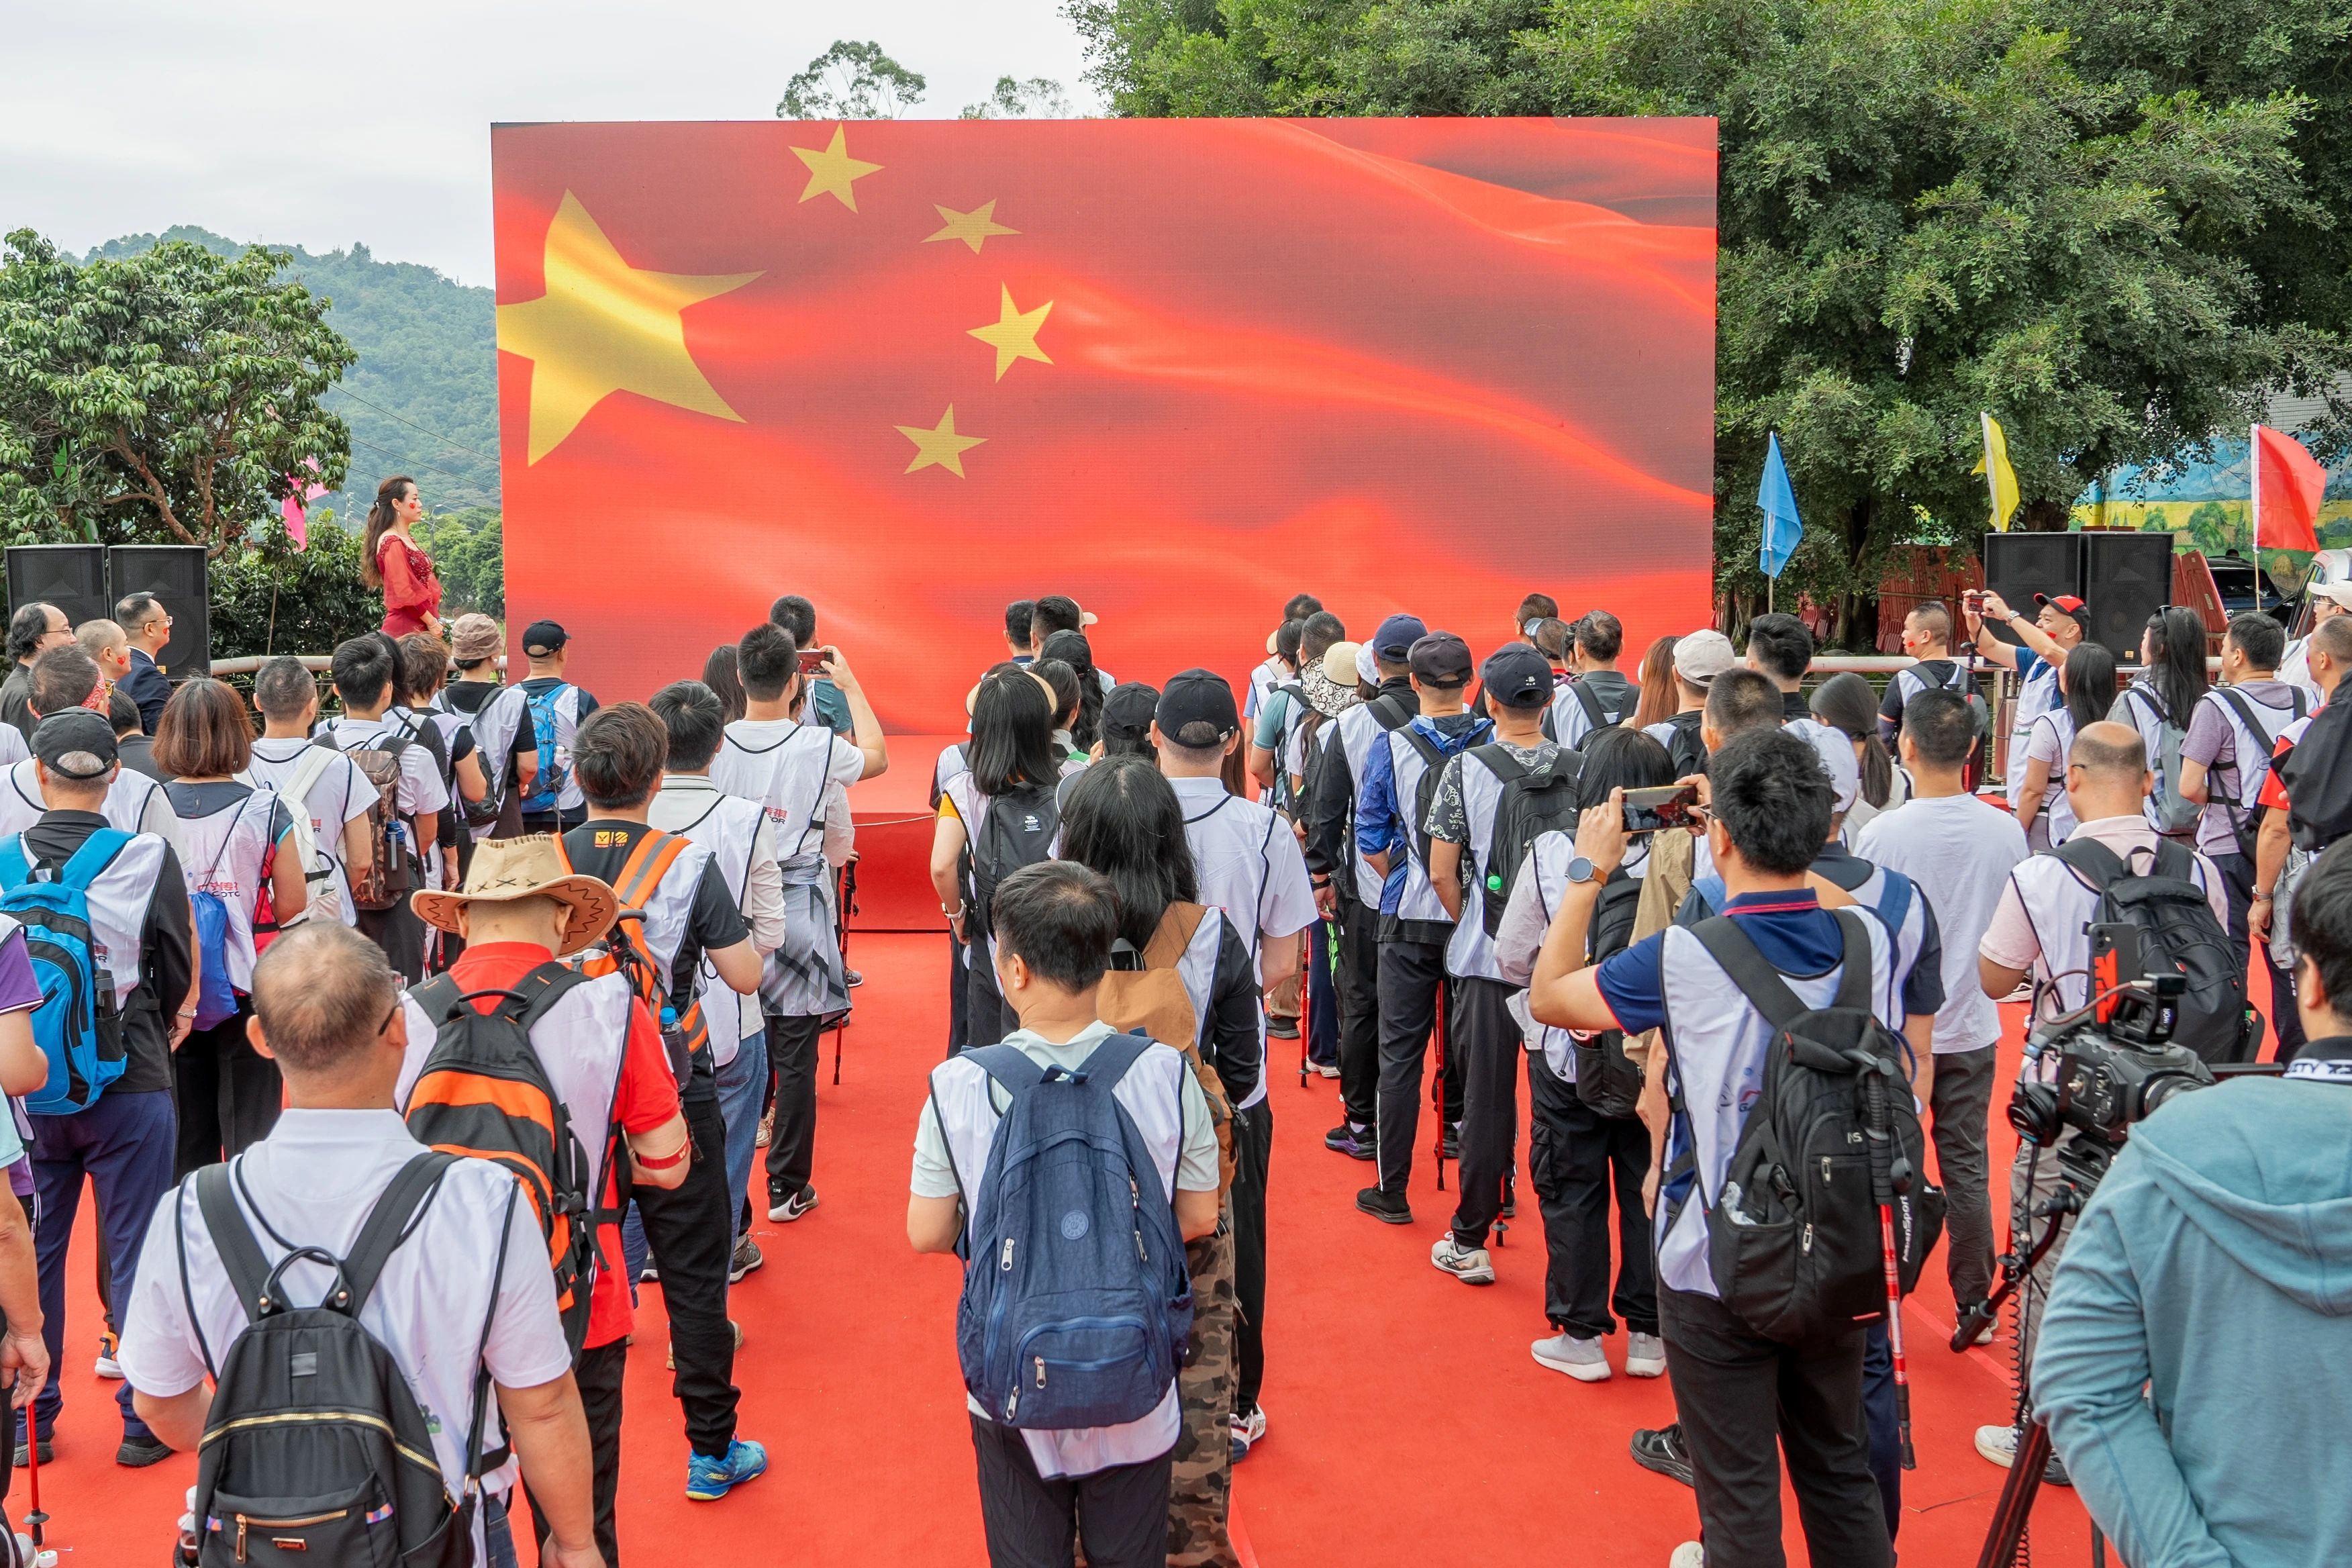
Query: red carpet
<point>1408,1423</point>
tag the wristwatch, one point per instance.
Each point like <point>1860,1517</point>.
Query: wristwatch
<point>1579,869</point>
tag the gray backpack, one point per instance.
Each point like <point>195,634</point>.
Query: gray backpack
<point>2167,808</point>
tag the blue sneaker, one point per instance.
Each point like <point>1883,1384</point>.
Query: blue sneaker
<point>708,1479</point>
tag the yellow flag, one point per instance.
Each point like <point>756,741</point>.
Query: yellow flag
<point>1999,476</point>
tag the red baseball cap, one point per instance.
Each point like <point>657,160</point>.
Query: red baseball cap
<point>2066,602</point>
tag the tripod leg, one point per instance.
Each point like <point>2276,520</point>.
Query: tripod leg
<point>2017,1496</point>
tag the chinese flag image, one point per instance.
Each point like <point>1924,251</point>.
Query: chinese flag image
<point>1178,370</point>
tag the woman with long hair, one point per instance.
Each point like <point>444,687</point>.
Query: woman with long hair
<point>1661,698</point>
<point>391,561</point>
<point>1062,684</point>
<point>1122,818</point>
<point>1011,756</point>
<point>2087,682</point>
<point>2161,700</point>
<point>1072,649</point>
<point>236,846</point>
<point>726,682</point>
<point>1846,703</point>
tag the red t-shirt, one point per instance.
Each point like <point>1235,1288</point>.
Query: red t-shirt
<point>647,1098</point>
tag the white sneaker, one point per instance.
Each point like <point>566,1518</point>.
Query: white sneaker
<point>1582,1360</point>
<point>1689,1554</point>
<point>1471,1265</point>
<point>1645,1355</point>
<point>1327,1069</point>
<point>1998,1444</point>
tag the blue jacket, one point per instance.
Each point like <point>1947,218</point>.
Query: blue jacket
<point>2213,1266</point>
<point>1380,824</point>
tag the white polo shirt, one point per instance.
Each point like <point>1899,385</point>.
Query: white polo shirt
<point>313,1179</point>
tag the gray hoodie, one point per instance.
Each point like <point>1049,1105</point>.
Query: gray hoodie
<point>2213,1267</point>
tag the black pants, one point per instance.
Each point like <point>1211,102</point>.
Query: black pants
<point>1485,1041</point>
<point>228,1093</point>
<point>2286,1023</point>
<point>401,933</point>
<point>959,1003</point>
<point>690,1231</point>
<point>792,1053</point>
<point>1322,998</point>
<point>986,1019</point>
<point>1576,1159</point>
<point>1737,1394</point>
<point>598,1374</point>
<point>1882,1419</point>
<point>1252,1149</point>
<point>1357,981</point>
<point>1412,983</point>
<point>1121,1513</point>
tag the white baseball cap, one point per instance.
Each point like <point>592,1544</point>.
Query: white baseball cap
<point>1835,747</point>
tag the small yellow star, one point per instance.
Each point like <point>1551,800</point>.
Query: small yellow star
<point>972,228</point>
<point>1013,334</point>
<point>942,446</point>
<point>832,171</point>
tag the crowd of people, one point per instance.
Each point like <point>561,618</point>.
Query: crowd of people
<point>267,988</point>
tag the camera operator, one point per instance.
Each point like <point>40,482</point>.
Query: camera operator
<point>2207,1269</point>
<point>2040,925</point>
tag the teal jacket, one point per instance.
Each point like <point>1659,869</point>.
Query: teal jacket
<point>2213,1267</point>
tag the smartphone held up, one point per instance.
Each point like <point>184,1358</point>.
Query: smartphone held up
<point>1667,806</point>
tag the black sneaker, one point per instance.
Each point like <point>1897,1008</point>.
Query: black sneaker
<point>1382,1204</point>
<point>1282,1028</point>
<point>138,1453</point>
<point>48,1453</point>
<point>785,1207</point>
<point>1340,1138</point>
<point>1450,1146</point>
<point>1663,1450</point>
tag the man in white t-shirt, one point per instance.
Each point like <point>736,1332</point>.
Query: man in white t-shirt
<point>328,786</point>
<point>1251,867</point>
<point>787,766</point>
<point>1947,839</point>
<point>327,1010</point>
<point>61,680</point>
<point>366,672</point>
<point>1108,1486</point>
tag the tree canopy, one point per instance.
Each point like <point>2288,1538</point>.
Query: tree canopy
<point>852,81</point>
<point>2115,226</point>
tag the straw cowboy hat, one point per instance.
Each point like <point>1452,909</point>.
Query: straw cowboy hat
<point>532,866</point>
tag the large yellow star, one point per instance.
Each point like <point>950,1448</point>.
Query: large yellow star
<point>605,326</point>
<point>1013,334</point>
<point>972,228</point>
<point>942,446</point>
<point>832,172</point>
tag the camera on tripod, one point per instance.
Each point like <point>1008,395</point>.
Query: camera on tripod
<point>2116,1064</point>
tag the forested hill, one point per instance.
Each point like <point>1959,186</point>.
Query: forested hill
<point>423,399</point>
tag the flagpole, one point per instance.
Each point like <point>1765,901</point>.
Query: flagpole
<point>2254,507</point>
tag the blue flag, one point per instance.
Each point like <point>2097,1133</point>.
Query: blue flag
<point>1782,527</point>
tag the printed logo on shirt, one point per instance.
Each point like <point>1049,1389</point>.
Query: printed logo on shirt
<point>610,838</point>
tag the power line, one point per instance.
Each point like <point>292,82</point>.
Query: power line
<point>401,458</point>
<point>412,423</point>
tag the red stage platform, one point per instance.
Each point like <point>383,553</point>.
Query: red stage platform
<point>893,814</point>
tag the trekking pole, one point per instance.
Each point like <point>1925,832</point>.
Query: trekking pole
<point>36,1519</point>
<point>1889,1178</point>
<point>1437,1080</point>
<point>847,894</point>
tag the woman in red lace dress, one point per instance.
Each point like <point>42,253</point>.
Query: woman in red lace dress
<point>396,563</point>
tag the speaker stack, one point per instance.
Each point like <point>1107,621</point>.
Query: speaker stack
<point>2123,578</point>
<point>87,580</point>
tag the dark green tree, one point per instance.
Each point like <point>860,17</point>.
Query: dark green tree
<point>171,395</point>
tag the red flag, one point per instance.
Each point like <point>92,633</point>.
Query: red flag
<point>1178,370</point>
<point>2288,485</point>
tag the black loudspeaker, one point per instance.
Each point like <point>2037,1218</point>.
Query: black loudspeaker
<point>2126,578</point>
<point>71,576</point>
<point>179,575</point>
<point>2020,565</point>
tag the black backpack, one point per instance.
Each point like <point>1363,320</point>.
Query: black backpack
<point>1687,750</point>
<point>316,1449</point>
<point>1793,1238</point>
<point>2177,931</point>
<point>1607,1080</point>
<point>2318,778</point>
<point>1282,795</point>
<point>484,1092</point>
<point>2245,822</point>
<point>1016,830</point>
<point>1534,802</point>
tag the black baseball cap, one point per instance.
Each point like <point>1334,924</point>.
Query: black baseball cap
<point>542,637</point>
<point>1396,637</point>
<point>1194,698</point>
<point>1128,710</point>
<point>81,732</point>
<point>1517,676</point>
<point>1441,658</point>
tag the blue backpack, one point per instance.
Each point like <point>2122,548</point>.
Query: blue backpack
<point>75,1023</point>
<point>1077,1303</point>
<point>216,996</point>
<point>552,775</point>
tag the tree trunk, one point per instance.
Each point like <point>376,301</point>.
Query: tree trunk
<point>2044,517</point>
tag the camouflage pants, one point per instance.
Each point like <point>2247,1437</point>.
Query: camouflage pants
<point>1203,1460</point>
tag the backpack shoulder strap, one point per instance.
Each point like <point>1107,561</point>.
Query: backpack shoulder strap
<point>15,862</point>
<point>240,1255</point>
<point>306,772</point>
<point>397,1212</point>
<point>1587,699</point>
<point>96,854</point>
<point>1431,751</point>
<point>542,989</point>
<point>1178,925</point>
<point>2097,864</point>
<point>1390,710</point>
<point>1496,759</point>
<point>1110,1060</point>
<point>1854,970</point>
<point>1009,1065</point>
<point>437,996</point>
<point>2175,859</point>
<point>1761,984</point>
<point>1895,907</point>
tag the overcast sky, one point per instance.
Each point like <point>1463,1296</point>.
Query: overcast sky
<point>320,124</point>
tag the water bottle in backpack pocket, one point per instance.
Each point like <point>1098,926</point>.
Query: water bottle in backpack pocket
<point>76,1025</point>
